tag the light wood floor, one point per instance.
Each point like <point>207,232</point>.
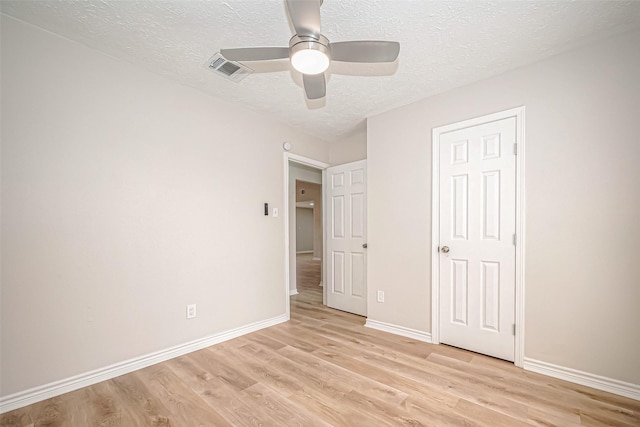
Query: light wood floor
<point>324,368</point>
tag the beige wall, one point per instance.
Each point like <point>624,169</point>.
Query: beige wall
<point>348,149</point>
<point>582,204</point>
<point>126,196</point>
<point>304,230</point>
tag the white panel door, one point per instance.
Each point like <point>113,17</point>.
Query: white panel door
<point>346,228</point>
<point>477,246</point>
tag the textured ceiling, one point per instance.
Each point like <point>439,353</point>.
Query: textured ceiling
<point>443,45</point>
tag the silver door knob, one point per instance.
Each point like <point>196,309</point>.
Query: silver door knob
<point>445,249</point>
<point>364,245</point>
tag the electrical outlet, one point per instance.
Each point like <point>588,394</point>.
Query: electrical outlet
<point>275,212</point>
<point>380,296</point>
<point>191,311</point>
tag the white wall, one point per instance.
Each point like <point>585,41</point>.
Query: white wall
<point>348,149</point>
<point>304,230</point>
<point>582,204</point>
<point>126,196</point>
<point>302,173</point>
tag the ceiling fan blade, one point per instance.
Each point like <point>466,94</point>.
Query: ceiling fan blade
<point>365,51</point>
<point>305,16</point>
<point>255,53</point>
<point>314,85</point>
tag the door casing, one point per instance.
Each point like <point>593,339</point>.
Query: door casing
<point>519,114</point>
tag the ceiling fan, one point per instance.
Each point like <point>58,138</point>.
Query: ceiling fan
<point>311,53</point>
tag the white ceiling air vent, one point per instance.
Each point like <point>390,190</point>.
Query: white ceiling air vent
<point>228,69</point>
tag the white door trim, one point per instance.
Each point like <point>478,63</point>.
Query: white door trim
<point>518,113</point>
<point>295,158</point>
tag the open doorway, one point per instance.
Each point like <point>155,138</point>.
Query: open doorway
<point>305,222</point>
<point>309,232</point>
<point>304,225</point>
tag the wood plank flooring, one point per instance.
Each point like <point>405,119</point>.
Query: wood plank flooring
<point>323,368</point>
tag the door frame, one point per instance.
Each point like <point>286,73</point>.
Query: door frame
<point>518,113</point>
<point>295,158</point>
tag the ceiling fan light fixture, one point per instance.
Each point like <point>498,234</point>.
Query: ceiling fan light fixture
<point>309,55</point>
<point>309,61</point>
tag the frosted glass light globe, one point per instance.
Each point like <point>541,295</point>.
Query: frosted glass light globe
<point>310,61</point>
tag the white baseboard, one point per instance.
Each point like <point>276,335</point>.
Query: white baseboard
<point>399,330</point>
<point>316,258</point>
<point>293,292</point>
<point>304,252</point>
<point>610,385</point>
<point>37,394</point>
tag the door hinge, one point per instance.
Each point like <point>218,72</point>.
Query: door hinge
<point>515,149</point>
<point>514,329</point>
<point>515,239</point>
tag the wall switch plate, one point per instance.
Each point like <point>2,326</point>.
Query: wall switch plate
<point>275,212</point>
<point>380,296</point>
<point>191,311</point>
